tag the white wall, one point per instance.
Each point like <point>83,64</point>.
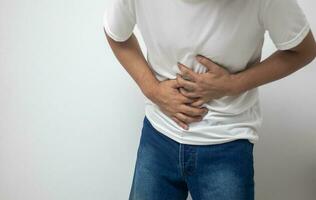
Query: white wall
<point>70,115</point>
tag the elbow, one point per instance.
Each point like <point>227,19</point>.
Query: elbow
<point>314,52</point>
<point>313,49</point>
<point>311,55</point>
<point>306,50</point>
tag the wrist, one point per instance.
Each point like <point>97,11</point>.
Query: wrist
<point>151,92</point>
<point>237,85</point>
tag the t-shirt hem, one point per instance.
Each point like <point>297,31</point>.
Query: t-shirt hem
<point>296,40</point>
<point>181,140</point>
<point>162,130</point>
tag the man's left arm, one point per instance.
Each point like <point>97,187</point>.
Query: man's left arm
<point>278,65</point>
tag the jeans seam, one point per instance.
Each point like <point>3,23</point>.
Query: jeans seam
<point>180,160</point>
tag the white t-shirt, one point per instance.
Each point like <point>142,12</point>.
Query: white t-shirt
<point>229,32</point>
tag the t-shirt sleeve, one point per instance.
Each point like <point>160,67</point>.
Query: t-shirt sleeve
<point>285,22</point>
<point>119,19</point>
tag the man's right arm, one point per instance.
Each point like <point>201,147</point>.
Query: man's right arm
<point>132,59</point>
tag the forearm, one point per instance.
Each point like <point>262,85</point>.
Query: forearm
<point>280,64</point>
<point>132,59</point>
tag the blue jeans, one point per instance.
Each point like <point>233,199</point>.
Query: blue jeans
<point>168,170</point>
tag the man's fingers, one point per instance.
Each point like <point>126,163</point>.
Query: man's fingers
<point>210,65</point>
<point>192,111</point>
<point>185,100</point>
<point>188,94</point>
<point>198,103</point>
<point>187,119</point>
<point>180,123</point>
<point>188,85</point>
<point>174,83</point>
<point>187,73</point>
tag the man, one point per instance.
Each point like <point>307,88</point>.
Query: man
<point>201,80</point>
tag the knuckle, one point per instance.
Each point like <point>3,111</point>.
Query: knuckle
<point>186,119</point>
<point>179,79</point>
<point>175,119</point>
<point>177,109</point>
<point>184,91</point>
<point>188,94</point>
<point>194,111</point>
<point>180,107</point>
<point>191,112</point>
<point>185,99</point>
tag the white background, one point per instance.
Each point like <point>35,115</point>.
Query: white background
<point>70,115</point>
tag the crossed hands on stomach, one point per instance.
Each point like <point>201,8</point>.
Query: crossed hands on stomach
<point>182,98</point>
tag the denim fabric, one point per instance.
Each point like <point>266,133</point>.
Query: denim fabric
<point>167,170</point>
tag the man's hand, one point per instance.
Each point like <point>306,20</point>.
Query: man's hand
<point>175,105</point>
<point>216,82</point>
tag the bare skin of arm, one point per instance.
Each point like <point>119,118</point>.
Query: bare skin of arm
<point>280,64</point>
<point>163,93</point>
